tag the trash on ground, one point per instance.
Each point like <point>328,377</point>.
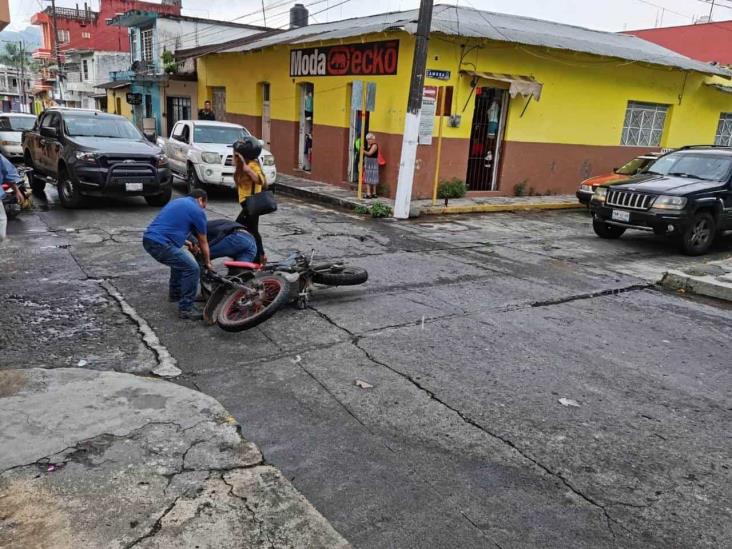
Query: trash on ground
<point>82,363</point>
<point>569,402</point>
<point>363,385</point>
<point>297,359</point>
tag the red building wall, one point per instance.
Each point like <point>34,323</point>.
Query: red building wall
<point>704,42</point>
<point>96,34</point>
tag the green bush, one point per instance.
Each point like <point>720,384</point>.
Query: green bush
<point>378,209</point>
<point>519,189</point>
<point>454,188</point>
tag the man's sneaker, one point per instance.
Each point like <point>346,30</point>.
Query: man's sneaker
<point>190,314</point>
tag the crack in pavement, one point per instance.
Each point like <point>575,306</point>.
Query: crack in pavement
<point>260,523</point>
<point>592,295</point>
<point>467,419</point>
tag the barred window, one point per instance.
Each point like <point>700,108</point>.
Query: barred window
<point>724,130</point>
<point>147,44</point>
<point>644,123</point>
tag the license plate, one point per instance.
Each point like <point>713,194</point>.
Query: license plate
<point>619,215</point>
<point>133,186</point>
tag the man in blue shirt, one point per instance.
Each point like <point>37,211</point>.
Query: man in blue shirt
<point>9,175</point>
<point>164,239</point>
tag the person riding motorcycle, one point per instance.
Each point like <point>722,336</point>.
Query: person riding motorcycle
<point>10,177</point>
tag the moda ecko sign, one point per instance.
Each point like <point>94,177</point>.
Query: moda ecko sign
<point>371,58</point>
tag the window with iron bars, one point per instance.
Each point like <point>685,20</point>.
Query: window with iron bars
<point>147,45</point>
<point>644,123</point>
<point>724,130</point>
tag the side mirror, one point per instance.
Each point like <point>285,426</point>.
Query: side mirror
<point>51,133</point>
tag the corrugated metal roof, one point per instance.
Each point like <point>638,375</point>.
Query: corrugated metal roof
<point>459,21</point>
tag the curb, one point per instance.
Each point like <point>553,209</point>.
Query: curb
<point>315,196</point>
<point>706,286</point>
<point>495,208</point>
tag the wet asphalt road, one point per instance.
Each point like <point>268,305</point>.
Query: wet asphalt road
<point>471,330</point>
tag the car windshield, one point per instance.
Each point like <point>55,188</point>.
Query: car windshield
<point>633,167</point>
<point>100,126</point>
<point>709,167</point>
<point>16,123</point>
<point>223,135</point>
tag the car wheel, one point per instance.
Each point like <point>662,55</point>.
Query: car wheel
<point>699,235</point>
<point>192,181</point>
<point>605,230</point>
<point>68,191</point>
<point>160,200</point>
<point>37,182</point>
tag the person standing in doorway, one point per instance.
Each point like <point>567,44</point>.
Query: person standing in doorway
<point>164,240</point>
<point>249,179</point>
<point>206,113</point>
<point>371,165</point>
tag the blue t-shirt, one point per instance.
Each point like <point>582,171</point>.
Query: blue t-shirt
<point>8,173</point>
<point>176,221</point>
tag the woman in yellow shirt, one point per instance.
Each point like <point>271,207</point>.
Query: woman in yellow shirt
<point>249,179</point>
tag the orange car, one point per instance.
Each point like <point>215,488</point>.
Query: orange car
<point>635,166</point>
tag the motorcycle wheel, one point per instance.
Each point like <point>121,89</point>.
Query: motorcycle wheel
<point>340,276</point>
<point>236,316</point>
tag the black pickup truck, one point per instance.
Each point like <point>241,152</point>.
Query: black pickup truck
<point>686,194</point>
<point>91,153</point>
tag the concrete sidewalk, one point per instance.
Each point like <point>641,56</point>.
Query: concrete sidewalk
<point>713,279</point>
<point>103,459</point>
<point>346,198</point>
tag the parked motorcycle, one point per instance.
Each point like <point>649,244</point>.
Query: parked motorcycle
<point>10,200</point>
<point>251,293</point>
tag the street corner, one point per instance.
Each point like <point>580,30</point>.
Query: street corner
<point>712,279</point>
<point>137,461</point>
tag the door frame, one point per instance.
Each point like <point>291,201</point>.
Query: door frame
<point>303,88</point>
<point>266,122</point>
<point>499,139</point>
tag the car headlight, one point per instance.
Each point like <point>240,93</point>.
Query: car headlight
<point>89,157</point>
<point>162,160</point>
<point>670,202</point>
<point>211,157</point>
<point>586,188</point>
<point>9,142</point>
<point>600,194</point>
<point>267,160</point>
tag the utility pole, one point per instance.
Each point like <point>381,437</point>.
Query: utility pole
<point>711,11</point>
<point>23,99</point>
<point>57,51</point>
<point>414,106</point>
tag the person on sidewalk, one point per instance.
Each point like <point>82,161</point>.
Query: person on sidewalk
<point>371,165</point>
<point>249,179</point>
<point>11,177</point>
<point>206,113</point>
<point>164,240</point>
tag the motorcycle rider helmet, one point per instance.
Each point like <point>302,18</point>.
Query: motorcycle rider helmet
<point>248,147</point>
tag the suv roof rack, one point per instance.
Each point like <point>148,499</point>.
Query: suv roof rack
<point>685,147</point>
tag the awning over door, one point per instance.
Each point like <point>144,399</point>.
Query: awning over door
<point>724,88</point>
<point>518,84</point>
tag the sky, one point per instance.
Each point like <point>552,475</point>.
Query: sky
<point>609,15</point>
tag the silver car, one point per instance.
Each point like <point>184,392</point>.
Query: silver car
<point>12,126</point>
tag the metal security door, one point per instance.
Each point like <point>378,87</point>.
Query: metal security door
<point>486,137</point>
<point>219,103</point>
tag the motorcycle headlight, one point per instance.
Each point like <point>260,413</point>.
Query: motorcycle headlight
<point>670,202</point>
<point>89,157</point>
<point>600,194</point>
<point>162,160</point>
<point>211,157</point>
<point>267,160</point>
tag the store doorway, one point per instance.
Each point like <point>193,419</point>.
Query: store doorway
<point>486,138</point>
<point>178,108</point>
<point>305,148</point>
<point>266,116</point>
<point>218,96</point>
<point>354,139</point>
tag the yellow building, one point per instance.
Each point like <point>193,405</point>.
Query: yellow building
<point>528,103</point>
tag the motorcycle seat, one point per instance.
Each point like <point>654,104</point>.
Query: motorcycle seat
<point>242,265</point>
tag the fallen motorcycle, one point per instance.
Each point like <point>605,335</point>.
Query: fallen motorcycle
<point>251,293</point>
<point>10,200</point>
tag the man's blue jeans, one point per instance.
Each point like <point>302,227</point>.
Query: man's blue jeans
<point>184,271</point>
<point>240,246</point>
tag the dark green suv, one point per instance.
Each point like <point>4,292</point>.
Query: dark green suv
<point>685,194</point>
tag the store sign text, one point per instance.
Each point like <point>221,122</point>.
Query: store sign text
<point>372,58</point>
